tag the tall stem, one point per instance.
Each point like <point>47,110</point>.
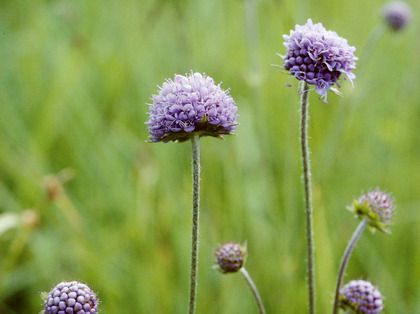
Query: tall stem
<point>345,259</point>
<point>195,220</point>
<point>308,197</point>
<point>254,290</point>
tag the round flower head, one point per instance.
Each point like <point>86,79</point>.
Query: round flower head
<point>396,14</point>
<point>318,57</point>
<point>375,206</point>
<point>70,297</point>
<point>191,104</point>
<point>362,297</point>
<point>230,257</point>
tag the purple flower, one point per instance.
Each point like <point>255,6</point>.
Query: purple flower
<point>396,14</point>
<point>318,57</point>
<point>362,297</point>
<point>375,206</point>
<point>191,104</point>
<point>71,297</point>
<point>230,257</point>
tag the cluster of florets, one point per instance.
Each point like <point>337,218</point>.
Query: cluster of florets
<point>191,104</point>
<point>396,14</point>
<point>71,297</point>
<point>317,56</point>
<point>375,206</point>
<point>230,257</point>
<point>362,297</point>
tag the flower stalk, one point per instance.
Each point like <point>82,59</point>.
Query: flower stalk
<point>195,220</point>
<point>308,197</point>
<point>254,289</point>
<point>187,108</point>
<point>343,264</point>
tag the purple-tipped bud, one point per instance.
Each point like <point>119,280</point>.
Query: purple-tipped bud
<point>230,257</point>
<point>318,56</point>
<point>71,297</point>
<point>362,297</point>
<point>396,14</point>
<point>191,104</point>
<point>375,206</point>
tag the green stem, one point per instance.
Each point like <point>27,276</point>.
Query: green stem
<point>195,219</point>
<point>345,259</point>
<point>253,289</point>
<point>308,197</point>
<point>366,52</point>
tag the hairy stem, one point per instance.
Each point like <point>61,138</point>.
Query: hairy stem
<point>308,197</point>
<point>253,289</point>
<point>345,259</point>
<point>195,219</point>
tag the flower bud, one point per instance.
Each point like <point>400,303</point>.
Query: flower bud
<point>361,297</point>
<point>230,257</point>
<point>396,14</point>
<point>70,297</point>
<point>375,206</point>
<point>30,219</point>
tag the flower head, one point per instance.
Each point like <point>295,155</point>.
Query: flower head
<point>70,297</point>
<point>230,257</point>
<point>191,104</point>
<point>317,56</point>
<point>362,297</point>
<point>375,206</point>
<point>396,14</point>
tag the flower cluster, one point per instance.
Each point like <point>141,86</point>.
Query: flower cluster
<point>361,297</point>
<point>375,206</point>
<point>191,104</point>
<point>230,257</point>
<point>396,14</point>
<point>71,297</point>
<point>318,56</point>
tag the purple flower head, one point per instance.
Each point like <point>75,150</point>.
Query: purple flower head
<point>396,14</point>
<point>375,206</point>
<point>362,297</point>
<point>191,104</point>
<point>71,297</point>
<point>318,57</point>
<point>230,257</point>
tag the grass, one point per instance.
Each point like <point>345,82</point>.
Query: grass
<point>74,80</point>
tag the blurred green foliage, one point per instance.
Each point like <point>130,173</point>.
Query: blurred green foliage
<point>114,211</point>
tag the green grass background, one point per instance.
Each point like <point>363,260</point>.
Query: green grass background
<point>74,80</point>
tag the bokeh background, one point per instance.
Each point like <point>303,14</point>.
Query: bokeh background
<point>84,197</point>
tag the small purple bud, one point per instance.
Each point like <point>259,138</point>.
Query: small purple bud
<point>361,297</point>
<point>396,14</point>
<point>377,207</point>
<point>70,297</point>
<point>230,257</point>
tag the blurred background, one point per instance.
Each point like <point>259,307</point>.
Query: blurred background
<point>84,197</point>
